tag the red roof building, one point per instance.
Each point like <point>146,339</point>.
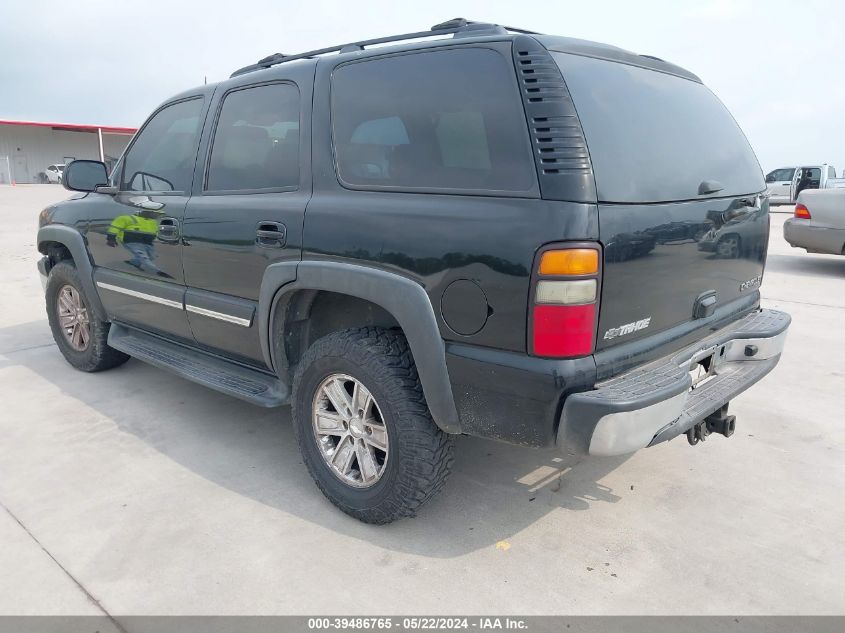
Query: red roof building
<point>28,148</point>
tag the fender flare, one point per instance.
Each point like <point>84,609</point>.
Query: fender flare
<point>403,298</point>
<point>73,240</point>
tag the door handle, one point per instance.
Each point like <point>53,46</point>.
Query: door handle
<point>271,235</point>
<point>168,229</point>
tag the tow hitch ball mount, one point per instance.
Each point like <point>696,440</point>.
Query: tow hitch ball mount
<point>717,422</point>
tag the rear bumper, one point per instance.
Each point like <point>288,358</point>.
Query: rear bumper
<point>816,239</point>
<point>654,403</point>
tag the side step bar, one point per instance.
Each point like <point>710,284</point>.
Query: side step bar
<point>230,378</point>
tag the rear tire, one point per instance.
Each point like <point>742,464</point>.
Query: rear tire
<point>409,457</point>
<point>70,315</point>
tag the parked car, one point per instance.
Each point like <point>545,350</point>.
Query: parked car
<point>740,231</point>
<point>783,185</point>
<point>818,224</point>
<point>451,274</point>
<point>55,173</point>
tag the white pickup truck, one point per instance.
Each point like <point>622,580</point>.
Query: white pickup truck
<point>785,183</point>
<point>818,224</point>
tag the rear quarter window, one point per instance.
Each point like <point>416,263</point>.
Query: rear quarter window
<point>438,120</point>
<point>655,137</point>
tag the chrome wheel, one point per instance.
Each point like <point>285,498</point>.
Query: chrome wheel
<point>73,318</point>
<point>350,431</point>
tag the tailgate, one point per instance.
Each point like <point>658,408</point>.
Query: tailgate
<point>664,261</point>
<point>682,223</point>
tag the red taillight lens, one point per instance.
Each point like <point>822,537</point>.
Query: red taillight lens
<point>802,212</point>
<point>564,330</point>
<point>564,301</point>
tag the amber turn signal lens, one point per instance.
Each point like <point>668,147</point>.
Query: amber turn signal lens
<point>572,261</point>
<point>802,212</point>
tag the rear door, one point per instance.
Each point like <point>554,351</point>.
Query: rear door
<point>248,206</point>
<point>683,226</point>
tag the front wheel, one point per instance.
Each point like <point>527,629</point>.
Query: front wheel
<point>364,428</point>
<point>79,333</point>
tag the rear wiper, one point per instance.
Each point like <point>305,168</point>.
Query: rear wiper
<point>709,186</point>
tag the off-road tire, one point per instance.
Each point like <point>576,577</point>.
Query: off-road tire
<point>421,454</point>
<point>97,355</point>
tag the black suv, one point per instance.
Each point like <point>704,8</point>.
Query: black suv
<point>492,233</point>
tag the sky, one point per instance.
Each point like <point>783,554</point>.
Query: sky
<point>779,67</point>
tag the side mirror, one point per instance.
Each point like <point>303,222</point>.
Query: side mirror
<point>85,175</point>
<point>770,178</point>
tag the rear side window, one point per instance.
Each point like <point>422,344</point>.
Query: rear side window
<point>162,156</point>
<point>655,137</point>
<point>256,142</point>
<point>434,120</point>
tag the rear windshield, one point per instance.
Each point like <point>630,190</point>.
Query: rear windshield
<point>655,137</point>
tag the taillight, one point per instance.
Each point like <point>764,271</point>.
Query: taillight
<point>564,298</point>
<point>802,212</point>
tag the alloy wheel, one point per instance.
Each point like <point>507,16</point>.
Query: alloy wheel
<point>73,318</point>
<point>350,431</point>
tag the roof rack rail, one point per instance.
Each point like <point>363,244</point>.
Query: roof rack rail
<point>456,26</point>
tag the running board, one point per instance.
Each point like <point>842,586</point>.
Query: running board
<point>230,378</point>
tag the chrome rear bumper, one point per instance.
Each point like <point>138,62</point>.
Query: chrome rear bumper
<point>658,401</point>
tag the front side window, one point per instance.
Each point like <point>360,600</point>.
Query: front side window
<point>780,175</point>
<point>162,157</point>
<point>256,143</point>
<point>434,120</point>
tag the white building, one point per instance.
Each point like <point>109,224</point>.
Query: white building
<point>27,148</point>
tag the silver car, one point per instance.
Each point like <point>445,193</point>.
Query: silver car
<point>818,224</point>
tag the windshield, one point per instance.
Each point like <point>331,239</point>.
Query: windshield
<point>655,137</point>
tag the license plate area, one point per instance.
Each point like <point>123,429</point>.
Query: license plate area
<point>702,366</point>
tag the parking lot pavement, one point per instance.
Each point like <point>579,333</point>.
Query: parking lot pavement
<point>136,492</point>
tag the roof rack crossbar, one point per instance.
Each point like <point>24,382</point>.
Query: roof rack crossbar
<point>445,28</point>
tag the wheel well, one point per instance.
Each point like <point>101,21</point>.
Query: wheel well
<point>55,251</point>
<point>312,314</point>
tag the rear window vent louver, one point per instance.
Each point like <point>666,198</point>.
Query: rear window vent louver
<point>560,149</point>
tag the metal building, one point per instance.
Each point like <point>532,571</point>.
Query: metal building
<point>27,148</point>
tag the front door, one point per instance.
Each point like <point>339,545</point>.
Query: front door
<point>20,170</point>
<point>779,182</point>
<point>135,236</point>
<point>247,209</point>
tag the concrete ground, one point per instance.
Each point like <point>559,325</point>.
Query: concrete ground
<point>135,492</point>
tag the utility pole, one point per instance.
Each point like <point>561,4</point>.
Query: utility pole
<point>100,140</point>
